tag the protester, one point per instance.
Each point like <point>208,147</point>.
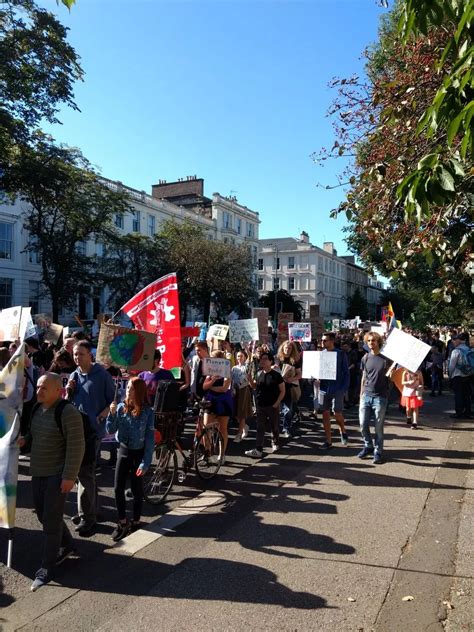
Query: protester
<point>157,374</point>
<point>460,377</point>
<point>412,395</point>
<point>331,392</point>
<point>373,397</point>
<point>217,391</point>
<point>269,393</point>
<point>91,389</point>
<point>197,377</point>
<point>133,420</point>
<point>56,455</point>
<point>290,363</point>
<point>436,369</point>
<point>242,394</point>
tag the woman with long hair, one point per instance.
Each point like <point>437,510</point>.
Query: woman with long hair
<point>133,422</point>
<point>291,364</point>
<point>242,394</point>
<point>217,391</point>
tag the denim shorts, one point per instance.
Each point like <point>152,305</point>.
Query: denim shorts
<point>326,401</point>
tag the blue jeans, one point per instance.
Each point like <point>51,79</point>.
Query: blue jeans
<point>376,406</point>
<point>286,416</point>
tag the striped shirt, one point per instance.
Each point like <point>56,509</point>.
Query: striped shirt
<point>53,452</point>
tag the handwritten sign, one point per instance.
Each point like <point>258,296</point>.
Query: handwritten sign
<point>127,348</point>
<point>405,349</point>
<point>299,332</point>
<point>10,324</point>
<point>217,331</point>
<point>262,315</point>
<point>320,365</point>
<point>53,333</point>
<point>243,330</point>
<point>283,319</point>
<point>216,367</point>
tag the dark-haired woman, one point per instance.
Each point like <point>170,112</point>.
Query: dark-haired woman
<point>133,421</point>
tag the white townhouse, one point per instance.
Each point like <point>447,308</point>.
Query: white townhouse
<point>222,218</point>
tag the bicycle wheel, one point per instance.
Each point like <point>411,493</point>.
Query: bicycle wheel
<point>160,476</point>
<point>208,452</point>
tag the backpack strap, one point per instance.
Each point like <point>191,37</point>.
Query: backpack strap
<point>58,414</point>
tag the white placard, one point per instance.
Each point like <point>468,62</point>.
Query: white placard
<point>405,349</point>
<point>217,331</point>
<point>10,324</point>
<point>320,365</point>
<point>219,367</point>
<point>378,329</point>
<point>299,332</point>
<point>243,330</point>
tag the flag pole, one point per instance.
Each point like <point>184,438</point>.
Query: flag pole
<point>10,548</point>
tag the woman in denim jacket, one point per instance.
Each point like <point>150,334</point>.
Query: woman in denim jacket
<point>133,422</point>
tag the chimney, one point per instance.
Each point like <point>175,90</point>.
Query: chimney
<point>304,237</point>
<point>328,246</point>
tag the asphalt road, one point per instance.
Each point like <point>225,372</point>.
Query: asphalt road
<point>301,540</point>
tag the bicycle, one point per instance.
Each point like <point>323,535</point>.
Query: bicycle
<point>205,455</point>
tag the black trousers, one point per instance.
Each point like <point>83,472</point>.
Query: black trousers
<point>127,463</point>
<point>462,395</point>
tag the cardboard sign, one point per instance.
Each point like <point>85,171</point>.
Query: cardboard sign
<point>10,319</point>
<point>243,330</point>
<point>216,367</point>
<point>262,314</point>
<point>53,333</point>
<point>405,350</point>
<point>217,331</point>
<point>320,365</point>
<point>283,319</point>
<point>131,349</point>
<point>43,321</point>
<point>299,332</point>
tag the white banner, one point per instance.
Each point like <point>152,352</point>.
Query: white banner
<point>320,365</point>
<point>243,330</point>
<point>217,331</point>
<point>299,332</point>
<point>405,350</point>
<point>219,367</point>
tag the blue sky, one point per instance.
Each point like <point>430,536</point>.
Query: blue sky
<point>233,91</point>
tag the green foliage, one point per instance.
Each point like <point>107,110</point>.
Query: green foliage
<point>357,306</point>
<point>285,303</point>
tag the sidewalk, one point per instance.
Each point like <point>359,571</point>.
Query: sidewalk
<point>301,540</point>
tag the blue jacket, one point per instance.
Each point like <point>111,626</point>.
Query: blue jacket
<point>341,383</point>
<point>94,391</point>
<point>134,432</point>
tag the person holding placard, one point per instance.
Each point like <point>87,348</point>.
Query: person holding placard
<point>242,394</point>
<point>290,362</point>
<point>217,391</point>
<point>373,397</point>
<point>331,392</point>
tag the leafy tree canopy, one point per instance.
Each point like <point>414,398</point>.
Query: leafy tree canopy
<point>285,303</point>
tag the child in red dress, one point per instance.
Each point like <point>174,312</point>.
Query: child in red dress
<point>412,395</point>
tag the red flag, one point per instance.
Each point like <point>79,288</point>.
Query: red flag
<point>156,309</point>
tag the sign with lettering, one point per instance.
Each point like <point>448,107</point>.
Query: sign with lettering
<point>10,319</point>
<point>216,367</point>
<point>405,350</point>
<point>53,333</point>
<point>243,330</point>
<point>320,365</point>
<point>127,348</point>
<point>217,331</point>
<point>299,332</point>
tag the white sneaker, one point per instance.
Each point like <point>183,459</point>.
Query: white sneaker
<point>42,577</point>
<point>238,437</point>
<point>275,446</point>
<point>245,431</point>
<point>254,454</point>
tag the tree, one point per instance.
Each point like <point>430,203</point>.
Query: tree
<point>37,72</point>
<point>357,306</point>
<point>285,303</point>
<point>68,205</point>
<point>376,124</point>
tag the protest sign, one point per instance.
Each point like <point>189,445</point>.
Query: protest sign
<point>320,365</point>
<point>405,350</point>
<point>243,330</point>
<point>53,333</point>
<point>216,367</point>
<point>316,321</point>
<point>283,319</point>
<point>378,329</point>
<point>10,320</point>
<point>43,321</point>
<point>217,331</point>
<point>262,314</point>
<point>299,332</point>
<point>127,348</point>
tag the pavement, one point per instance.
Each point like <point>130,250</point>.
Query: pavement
<point>299,540</point>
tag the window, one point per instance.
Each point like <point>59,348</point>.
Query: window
<point>260,264</point>
<point>151,225</point>
<point>6,240</point>
<point>291,283</point>
<point>238,225</point>
<point>260,283</point>
<point>33,255</point>
<point>326,265</point>
<point>136,222</point>
<point>81,247</point>
<point>276,263</point>
<point>320,264</point>
<point>6,293</point>
<point>100,249</point>
<point>276,284</point>
<point>227,220</point>
<point>34,296</point>
<point>250,230</point>
<point>118,220</point>
<point>291,263</point>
